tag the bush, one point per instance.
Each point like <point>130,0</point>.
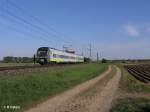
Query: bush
<point>11,59</point>
<point>104,60</point>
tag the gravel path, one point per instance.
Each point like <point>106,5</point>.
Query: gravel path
<point>94,95</point>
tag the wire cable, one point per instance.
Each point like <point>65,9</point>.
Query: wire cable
<point>36,19</point>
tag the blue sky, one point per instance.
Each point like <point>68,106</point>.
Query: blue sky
<point>116,28</point>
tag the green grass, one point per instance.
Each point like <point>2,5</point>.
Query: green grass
<point>132,105</point>
<point>131,84</point>
<point>26,90</point>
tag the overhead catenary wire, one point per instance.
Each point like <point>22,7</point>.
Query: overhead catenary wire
<point>46,36</point>
<point>24,21</point>
<point>24,32</point>
<point>39,22</point>
<point>35,18</point>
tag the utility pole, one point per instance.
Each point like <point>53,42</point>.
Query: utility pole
<point>97,57</point>
<point>90,49</point>
<point>82,53</point>
<point>34,59</point>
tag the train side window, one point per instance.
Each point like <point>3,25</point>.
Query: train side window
<point>54,55</point>
<point>61,56</point>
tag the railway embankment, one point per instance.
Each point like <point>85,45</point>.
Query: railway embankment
<point>28,69</point>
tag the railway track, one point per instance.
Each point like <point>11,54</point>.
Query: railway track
<point>17,67</point>
<point>33,66</point>
<point>141,72</point>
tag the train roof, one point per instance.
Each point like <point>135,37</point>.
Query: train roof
<point>42,48</point>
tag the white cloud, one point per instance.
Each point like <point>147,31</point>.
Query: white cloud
<point>132,30</point>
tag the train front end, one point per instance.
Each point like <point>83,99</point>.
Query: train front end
<point>42,56</point>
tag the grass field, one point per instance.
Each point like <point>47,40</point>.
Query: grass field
<point>27,90</point>
<point>132,105</point>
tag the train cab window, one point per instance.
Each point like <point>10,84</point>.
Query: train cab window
<point>42,52</point>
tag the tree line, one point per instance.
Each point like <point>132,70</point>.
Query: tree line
<point>11,59</point>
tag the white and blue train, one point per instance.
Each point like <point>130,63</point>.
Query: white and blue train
<point>47,55</point>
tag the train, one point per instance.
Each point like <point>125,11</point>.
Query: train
<point>48,55</point>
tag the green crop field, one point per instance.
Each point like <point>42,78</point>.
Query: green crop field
<point>27,90</point>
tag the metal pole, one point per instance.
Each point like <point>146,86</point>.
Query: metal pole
<point>97,57</point>
<point>90,49</point>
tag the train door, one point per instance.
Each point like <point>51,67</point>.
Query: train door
<point>48,55</point>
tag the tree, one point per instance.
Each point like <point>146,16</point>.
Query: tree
<point>8,59</point>
<point>11,59</point>
<point>87,59</point>
<point>104,60</point>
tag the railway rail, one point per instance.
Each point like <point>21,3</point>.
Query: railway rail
<point>33,66</point>
<point>18,67</point>
<point>141,72</point>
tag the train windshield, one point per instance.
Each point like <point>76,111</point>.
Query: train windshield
<point>42,52</point>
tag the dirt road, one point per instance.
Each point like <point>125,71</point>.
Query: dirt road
<point>95,95</point>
